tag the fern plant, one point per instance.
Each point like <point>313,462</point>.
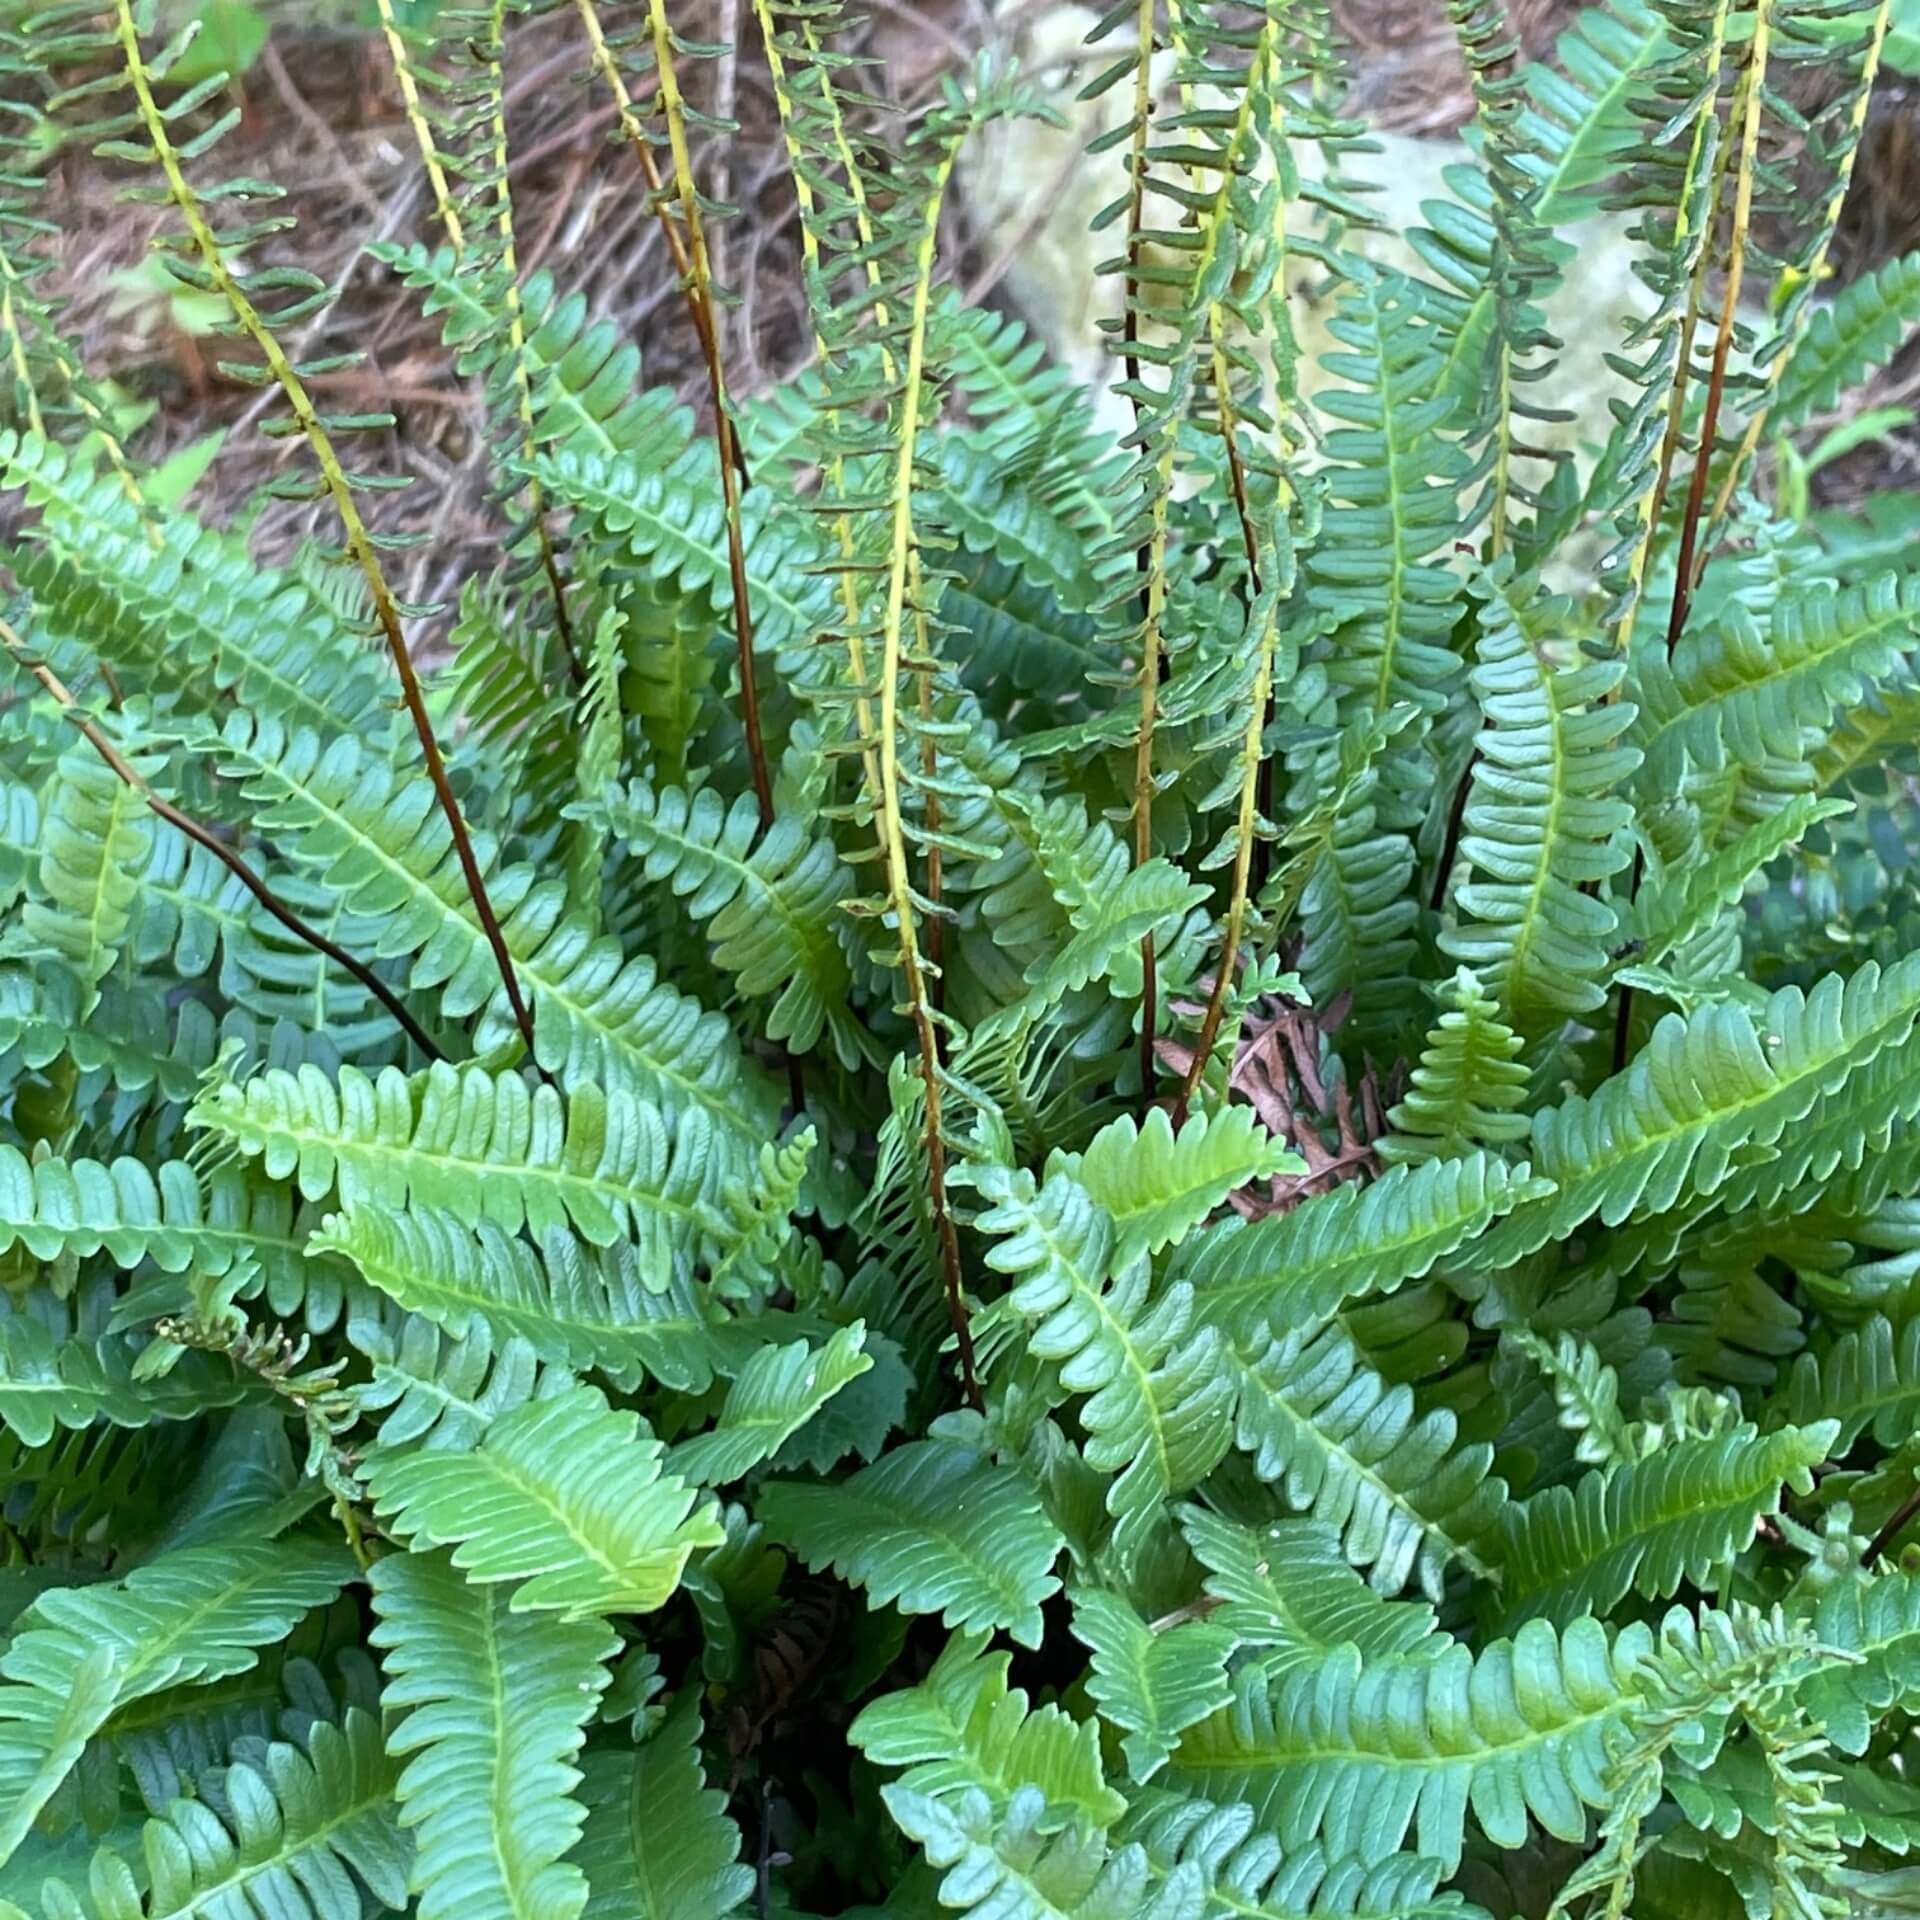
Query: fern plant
<point>989,1170</point>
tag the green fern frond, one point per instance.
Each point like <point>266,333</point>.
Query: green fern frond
<point>301,1826</point>
<point>186,1618</point>
<point>1248,1877</point>
<point>658,1842</point>
<point>1866,324</point>
<point>133,1212</point>
<point>603,1015</point>
<point>94,840</point>
<point>1868,1380</point>
<point>930,1528</point>
<point>1354,1242</point>
<point>1014,1865</point>
<point>1407,1499</point>
<point>563,1495</point>
<point>1157,1389</point>
<point>772,902</point>
<point>437,1389</point>
<point>478,1146</point>
<point>774,1395</point>
<point>1467,1083</point>
<point>1544,825</point>
<point>1701,1090</point>
<point>1646,1525</point>
<point>1875,1626</point>
<point>179,609</point>
<point>1150,1681</point>
<point>1739,695</point>
<point>495,1702</point>
<point>1287,1591</point>
<point>963,1729</point>
<point>1156,1184</point>
<point>575,1306</point>
<point>47,1383</point>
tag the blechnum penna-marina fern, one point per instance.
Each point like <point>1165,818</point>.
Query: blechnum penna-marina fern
<point>989,1170</point>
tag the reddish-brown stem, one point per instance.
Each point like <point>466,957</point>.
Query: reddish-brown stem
<point>1150,668</point>
<point>1901,1517</point>
<point>1243,867</point>
<point>124,770</point>
<point>1684,580</point>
